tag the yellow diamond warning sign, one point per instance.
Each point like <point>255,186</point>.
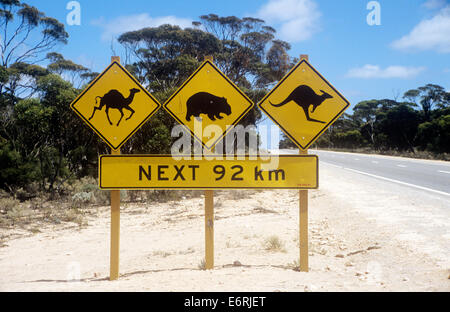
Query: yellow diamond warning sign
<point>115,105</point>
<point>208,98</point>
<point>304,104</point>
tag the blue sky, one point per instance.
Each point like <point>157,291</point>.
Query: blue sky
<point>335,34</point>
<point>409,49</point>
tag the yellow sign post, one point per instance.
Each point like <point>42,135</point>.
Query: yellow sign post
<point>303,104</point>
<point>137,172</point>
<point>208,98</point>
<point>209,229</point>
<point>114,250</point>
<point>115,105</point>
<point>303,217</point>
<point>115,232</point>
<point>209,216</point>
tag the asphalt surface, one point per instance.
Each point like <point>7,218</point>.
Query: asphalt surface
<point>424,175</point>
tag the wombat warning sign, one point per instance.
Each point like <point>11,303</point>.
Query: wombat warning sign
<point>208,98</point>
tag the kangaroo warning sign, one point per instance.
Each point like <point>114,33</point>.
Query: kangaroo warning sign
<point>208,104</point>
<point>165,172</point>
<point>115,105</point>
<point>304,104</point>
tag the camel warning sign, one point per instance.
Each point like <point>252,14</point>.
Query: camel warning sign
<point>304,104</point>
<point>115,105</point>
<point>208,104</point>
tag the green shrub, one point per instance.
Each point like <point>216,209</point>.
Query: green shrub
<point>82,197</point>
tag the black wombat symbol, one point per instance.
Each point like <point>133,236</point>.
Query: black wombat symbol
<point>206,103</point>
<point>304,96</point>
<point>115,99</point>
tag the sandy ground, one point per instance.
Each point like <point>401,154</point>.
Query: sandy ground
<point>365,235</point>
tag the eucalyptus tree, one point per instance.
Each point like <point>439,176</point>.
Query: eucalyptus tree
<point>163,57</point>
<point>76,74</point>
<point>26,34</point>
<point>245,50</point>
<point>365,113</point>
<point>429,96</point>
<point>250,53</point>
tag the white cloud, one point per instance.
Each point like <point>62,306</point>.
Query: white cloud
<point>429,34</point>
<point>122,24</point>
<point>296,20</point>
<point>374,71</point>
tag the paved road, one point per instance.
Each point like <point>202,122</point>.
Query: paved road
<point>429,176</point>
<point>408,198</point>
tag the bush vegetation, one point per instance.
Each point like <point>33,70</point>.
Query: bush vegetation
<point>46,150</point>
<point>48,155</point>
<point>418,127</point>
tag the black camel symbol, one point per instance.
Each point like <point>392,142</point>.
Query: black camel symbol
<point>115,99</point>
<point>304,97</point>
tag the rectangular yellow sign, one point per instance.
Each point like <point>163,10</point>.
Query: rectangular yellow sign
<point>165,172</point>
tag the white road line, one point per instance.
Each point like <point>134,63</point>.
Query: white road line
<point>401,166</point>
<point>399,182</point>
<point>374,162</point>
<point>442,171</point>
<point>333,165</point>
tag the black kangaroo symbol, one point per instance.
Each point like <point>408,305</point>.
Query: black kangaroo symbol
<point>304,96</point>
<point>115,99</point>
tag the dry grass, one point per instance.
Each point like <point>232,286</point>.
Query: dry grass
<point>294,265</point>
<point>30,215</point>
<point>82,199</point>
<point>13,212</point>
<point>264,210</point>
<point>274,244</point>
<point>202,265</point>
<point>162,253</point>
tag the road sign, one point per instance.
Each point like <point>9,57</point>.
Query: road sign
<point>304,104</point>
<point>115,105</point>
<point>165,172</point>
<point>208,98</point>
